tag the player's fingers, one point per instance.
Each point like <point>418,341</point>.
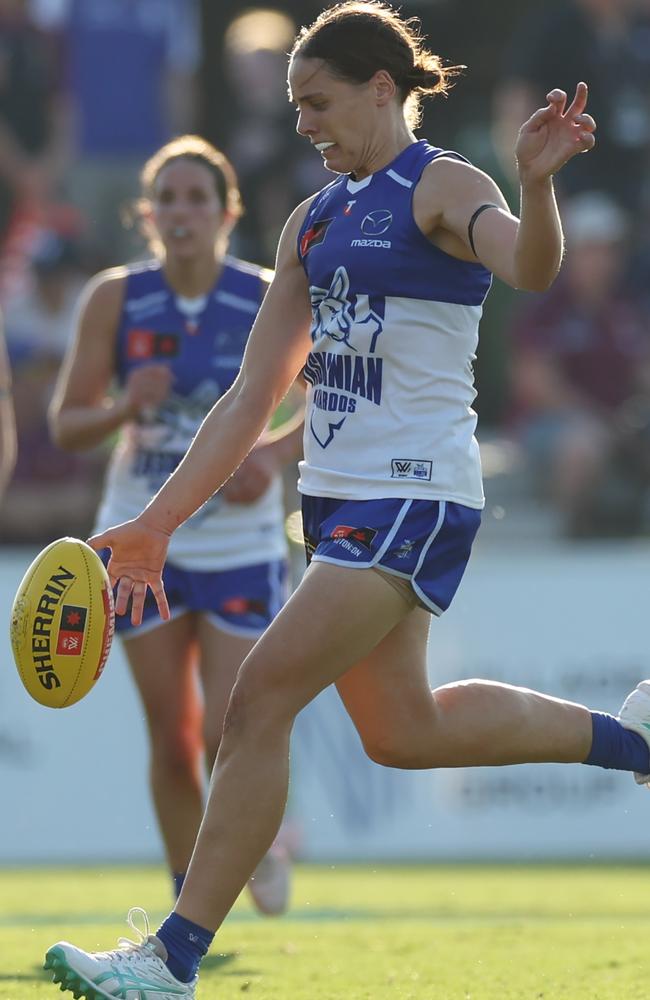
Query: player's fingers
<point>579,102</point>
<point>138,594</point>
<point>158,592</point>
<point>557,99</point>
<point>100,541</point>
<point>587,141</point>
<point>540,118</point>
<point>124,588</point>
<point>585,122</point>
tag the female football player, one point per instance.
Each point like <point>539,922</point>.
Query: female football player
<point>377,295</point>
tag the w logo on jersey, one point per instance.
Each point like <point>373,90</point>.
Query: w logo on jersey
<point>336,316</point>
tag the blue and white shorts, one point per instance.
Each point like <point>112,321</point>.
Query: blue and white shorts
<point>425,542</point>
<point>241,601</point>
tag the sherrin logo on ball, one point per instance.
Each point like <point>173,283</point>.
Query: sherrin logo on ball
<point>62,623</point>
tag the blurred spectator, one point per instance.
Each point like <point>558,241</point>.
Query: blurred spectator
<point>276,167</point>
<point>581,379</point>
<point>32,120</point>
<point>39,319</point>
<point>607,44</point>
<point>49,488</point>
<point>7,419</point>
<point>131,68</point>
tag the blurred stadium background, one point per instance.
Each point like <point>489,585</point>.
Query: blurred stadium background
<point>556,596</point>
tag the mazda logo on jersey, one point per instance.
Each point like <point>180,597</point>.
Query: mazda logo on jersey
<point>377,222</point>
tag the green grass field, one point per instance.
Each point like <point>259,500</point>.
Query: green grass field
<point>362,933</point>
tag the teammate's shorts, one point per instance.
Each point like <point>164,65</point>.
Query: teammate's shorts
<point>242,601</point>
<point>425,542</point>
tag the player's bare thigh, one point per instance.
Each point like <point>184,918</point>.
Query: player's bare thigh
<point>335,617</point>
<point>388,694</point>
<point>163,665</point>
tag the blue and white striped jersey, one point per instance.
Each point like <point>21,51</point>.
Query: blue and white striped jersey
<point>394,332</point>
<point>202,341</point>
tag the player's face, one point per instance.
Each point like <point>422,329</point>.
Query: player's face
<point>338,117</point>
<point>186,209</point>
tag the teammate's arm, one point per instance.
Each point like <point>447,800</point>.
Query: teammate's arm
<point>463,211</point>
<point>275,353</point>
<point>82,414</point>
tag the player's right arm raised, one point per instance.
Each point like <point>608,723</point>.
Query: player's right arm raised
<point>275,353</point>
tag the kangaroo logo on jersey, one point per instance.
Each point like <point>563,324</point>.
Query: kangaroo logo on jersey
<point>349,321</point>
<point>336,316</point>
<point>315,235</point>
<point>377,222</point>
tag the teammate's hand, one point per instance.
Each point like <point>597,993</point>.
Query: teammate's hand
<point>138,554</point>
<point>554,134</point>
<point>145,388</point>
<point>253,477</point>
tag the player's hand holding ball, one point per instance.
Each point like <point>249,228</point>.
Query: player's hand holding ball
<point>554,134</point>
<point>138,553</point>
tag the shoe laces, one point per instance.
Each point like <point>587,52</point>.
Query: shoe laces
<point>143,948</point>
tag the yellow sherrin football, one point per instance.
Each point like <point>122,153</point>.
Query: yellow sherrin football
<point>62,623</point>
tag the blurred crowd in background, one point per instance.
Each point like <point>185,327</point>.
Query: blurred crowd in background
<point>90,88</point>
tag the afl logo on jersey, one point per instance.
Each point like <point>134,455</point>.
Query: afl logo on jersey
<point>377,222</point>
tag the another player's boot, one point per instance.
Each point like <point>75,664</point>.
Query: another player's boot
<point>635,715</point>
<point>270,882</point>
<point>134,970</point>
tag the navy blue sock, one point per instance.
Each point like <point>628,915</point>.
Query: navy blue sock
<point>616,747</point>
<point>186,944</point>
<point>178,879</point>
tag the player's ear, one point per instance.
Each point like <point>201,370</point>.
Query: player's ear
<point>384,87</point>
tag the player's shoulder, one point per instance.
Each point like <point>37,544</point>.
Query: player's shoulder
<point>449,172</point>
<point>248,270</point>
<point>246,275</point>
<point>311,206</point>
<point>105,290</point>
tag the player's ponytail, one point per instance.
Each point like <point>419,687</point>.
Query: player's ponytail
<point>357,38</point>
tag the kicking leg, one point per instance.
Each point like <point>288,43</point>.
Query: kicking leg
<point>402,723</point>
<point>300,654</point>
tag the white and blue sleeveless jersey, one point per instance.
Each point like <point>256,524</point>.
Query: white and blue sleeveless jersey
<point>394,336</point>
<point>202,341</point>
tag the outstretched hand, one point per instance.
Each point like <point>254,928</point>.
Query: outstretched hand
<point>554,134</point>
<point>138,554</point>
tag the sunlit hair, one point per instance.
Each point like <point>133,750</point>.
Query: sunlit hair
<point>259,29</point>
<point>357,38</point>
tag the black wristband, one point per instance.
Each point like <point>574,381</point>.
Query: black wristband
<point>472,223</point>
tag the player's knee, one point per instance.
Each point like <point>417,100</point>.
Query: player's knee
<point>255,706</point>
<point>391,750</point>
